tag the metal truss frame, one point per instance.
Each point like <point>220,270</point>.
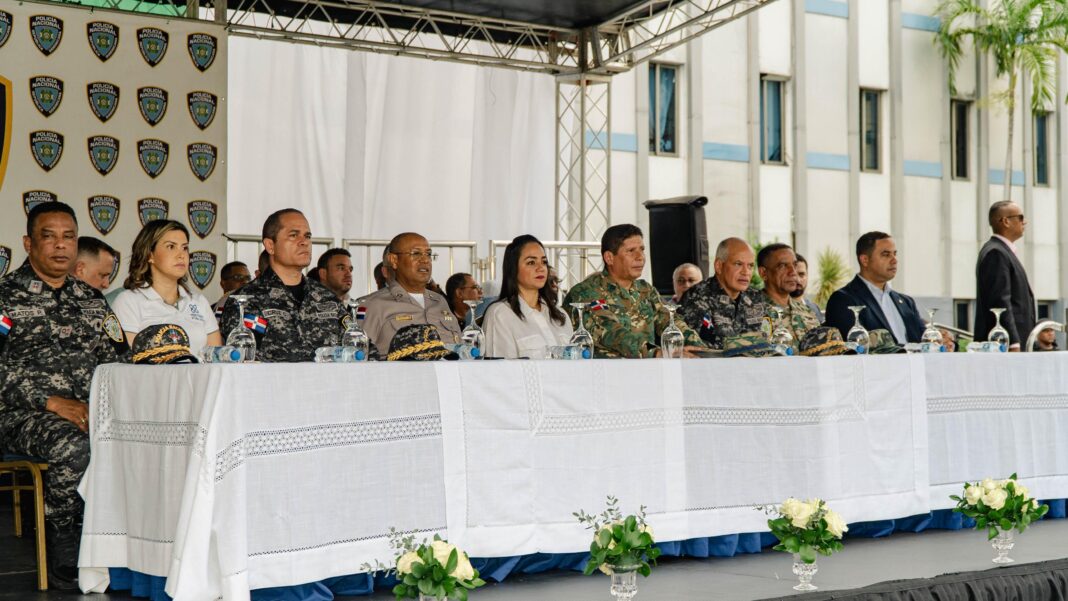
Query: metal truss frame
<point>583,156</point>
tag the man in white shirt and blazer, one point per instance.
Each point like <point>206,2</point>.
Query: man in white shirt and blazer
<point>1000,278</point>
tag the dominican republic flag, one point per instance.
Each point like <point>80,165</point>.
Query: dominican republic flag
<point>598,304</point>
<point>706,322</point>
<point>361,312</point>
<point>255,323</point>
<point>5,324</point>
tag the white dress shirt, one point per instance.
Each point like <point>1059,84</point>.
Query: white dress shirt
<point>138,309</point>
<point>889,307</point>
<point>510,337</point>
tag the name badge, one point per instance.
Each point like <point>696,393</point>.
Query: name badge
<point>404,317</point>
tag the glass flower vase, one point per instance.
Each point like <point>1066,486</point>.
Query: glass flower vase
<point>1002,544</point>
<point>804,572</point>
<point>624,584</point>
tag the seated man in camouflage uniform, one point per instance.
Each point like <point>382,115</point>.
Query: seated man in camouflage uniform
<point>723,305</point>
<point>777,268</point>
<point>301,315</point>
<point>54,331</point>
<point>626,316</point>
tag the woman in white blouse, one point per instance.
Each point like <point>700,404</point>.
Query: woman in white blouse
<point>156,290</point>
<point>525,320</point>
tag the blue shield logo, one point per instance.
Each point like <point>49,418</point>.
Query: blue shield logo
<point>201,267</point>
<point>5,260</point>
<point>104,212</point>
<point>103,153</point>
<point>35,197</point>
<point>202,215</point>
<point>151,209</point>
<point>153,154</point>
<point>103,99</point>
<point>153,44</point>
<point>202,160</point>
<point>46,93</point>
<point>152,103</point>
<point>47,148</point>
<point>202,107</point>
<point>103,39</point>
<point>47,33</point>
<point>5,27</point>
<point>202,49</point>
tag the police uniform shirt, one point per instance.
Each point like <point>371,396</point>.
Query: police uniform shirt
<point>138,309</point>
<point>707,308</point>
<point>51,340</point>
<point>392,308</point>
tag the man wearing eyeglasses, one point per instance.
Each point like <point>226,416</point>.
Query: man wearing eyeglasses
<point>1000,278</point>
<point>232,276</point>
<point>406,300</point>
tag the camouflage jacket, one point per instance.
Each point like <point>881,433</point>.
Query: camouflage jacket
<point>55,339</point>
<point>797,317</point>
<point>708,309</point>
<point>294,330</point>
<point>630,323</point>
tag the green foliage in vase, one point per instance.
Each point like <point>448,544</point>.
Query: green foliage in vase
<point>436,569</point>
<point>806,528</point>
<point>999,504</point>
<point>620,544</point>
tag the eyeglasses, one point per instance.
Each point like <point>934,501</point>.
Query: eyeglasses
<point>1020,217</point>
<point>239,278</point>
<point>417,254</point>
<point>474,287</point>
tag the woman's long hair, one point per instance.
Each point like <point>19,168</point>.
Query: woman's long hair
<point>140,271</point>
<point>510,280</point>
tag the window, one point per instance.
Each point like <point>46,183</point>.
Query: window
<point>962,314</point>
<point>869,130</point>
<point>1045,309</point>
<point>663,88</point>
<point>1041,148</point>
<point>771,111</point>
<point>960,110</point>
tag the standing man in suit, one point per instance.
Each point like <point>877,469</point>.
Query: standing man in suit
<point>1000,279</point>
<point>885,309</point>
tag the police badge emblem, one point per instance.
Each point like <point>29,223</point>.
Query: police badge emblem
<point>153,104</point>
<point>103,39</point>
<point>5,260</point>
<point>103,153</point>
<point>202,49</point>
<point>153,154</point>
<point>46,93</point>
<point>202,107</point>
<point>104,212</point>
<point>153,44</point>
<point>103,99</point>
<point>112,327</point>
<point>202,215</point>
<point>151,209</point>
<point>35,197</point>
<point>201,267</point>
<point>47,33</point>
<point>5,27</point>
<point>47,148</point>
<point>202,159</point>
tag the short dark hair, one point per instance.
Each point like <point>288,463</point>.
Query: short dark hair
<point>264,261</point>
<point>614,236</point>
<point>453,284</point>
<point>800,258</point>
<point>766,252</point>
<point>43,209</point>
<point>227,270</point>
<point>274,223</point>
<point>92,247</point>
<point>380,280</point>
<point>330,254</point>
<point>866,243</point>
<point>994,213</point>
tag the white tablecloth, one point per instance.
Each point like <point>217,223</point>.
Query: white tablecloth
<point>230,477</point>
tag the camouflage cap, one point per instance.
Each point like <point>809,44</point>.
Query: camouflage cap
<point>882,342</point>
<point>418,342</point>
<point>750,344</point>
<point>162,343</point>
<point>824,342</point>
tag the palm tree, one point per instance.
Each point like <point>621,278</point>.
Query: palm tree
<point>1020,34</point>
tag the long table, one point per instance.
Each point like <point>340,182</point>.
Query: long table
<point>226,478</point>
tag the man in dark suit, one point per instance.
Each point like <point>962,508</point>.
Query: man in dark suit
<point>1000,279</point>
<point>884,308</point>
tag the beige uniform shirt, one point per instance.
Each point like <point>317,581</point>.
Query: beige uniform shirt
<point>392,308</point>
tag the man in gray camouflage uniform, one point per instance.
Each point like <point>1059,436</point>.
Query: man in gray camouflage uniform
<point>723,305</point>
<point>54,331</point>
<point>301,315</point>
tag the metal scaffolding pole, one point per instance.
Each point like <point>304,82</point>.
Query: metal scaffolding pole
<point>583,156</point>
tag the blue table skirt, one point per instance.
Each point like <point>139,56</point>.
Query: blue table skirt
<point>499,568</point>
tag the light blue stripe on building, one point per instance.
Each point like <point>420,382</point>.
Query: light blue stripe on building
<point>997,177</point>
<point>823,160</point>
<point>620,142</point>
<point>923,169</point>
<point>725,152</point>
<point>921,22</point>
<point>831,8</point>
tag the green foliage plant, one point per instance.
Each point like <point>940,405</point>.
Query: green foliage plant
<point>999,504</point>
<point>806,528</point>
<point>620,543</point>
<point>436,569</point>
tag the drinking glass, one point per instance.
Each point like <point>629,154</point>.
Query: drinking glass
<point>781,337</point>
<point>671,339</point>
<point>241,336</point>
<point>857,338</point>
<point>354,336</point>
<point>582,337</point>
<point>473,334</point>
<point>997,333</point>
<point>931,335</point>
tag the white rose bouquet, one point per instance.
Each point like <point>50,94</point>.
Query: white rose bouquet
<point>999,504</point>
<point>806,528</point>
<point>438,570</point>
<point>620,544</point>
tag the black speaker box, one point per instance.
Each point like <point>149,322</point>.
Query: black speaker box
<point>677,235</point>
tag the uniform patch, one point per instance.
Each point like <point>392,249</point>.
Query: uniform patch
<point>104,212</point>
<point>103,99</point>
<point>402,317</point>
<point>112,327</point>
<point>29,312</point>
<point>153,154</point>
<point>47,148</point>
<point>598,305</point>
<point>153,44</point>
<point>5,325</point>
<point>202,49</point>
<point>201,267</point>
<point>202,107</point>
<point>5,27</point>
<point>46,93</point>
<point>706,322</point>
<point>46,32</point>
<point>152,102</point>
<point>33,198</point>
<point>151,209</point>
<point>103,153</point>
<point>202,158</point>
<point>202,216</point>
<point>5,260</point>
<point>103,38</point>
<point>255,323</point>
<point>35,287</point>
